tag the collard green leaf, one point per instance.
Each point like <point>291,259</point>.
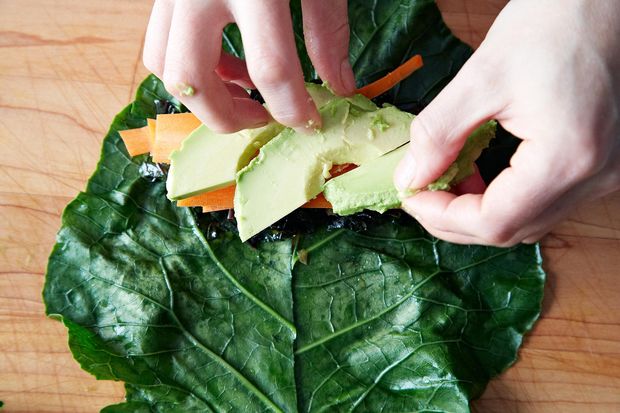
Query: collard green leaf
<point>392,319</point>
<point>148,299</point>
<point>384,34</point>
<point>382,317</point>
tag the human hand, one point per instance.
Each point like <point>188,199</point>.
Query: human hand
<point>183,47</point>
<point>550,74</point>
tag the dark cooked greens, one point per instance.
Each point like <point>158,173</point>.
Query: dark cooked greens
<point>368,313</point>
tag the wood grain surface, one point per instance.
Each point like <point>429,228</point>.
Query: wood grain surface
<point>67,67</point>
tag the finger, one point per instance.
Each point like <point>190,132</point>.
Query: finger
<point>156,37</point>
<point>233,69</point>
<point>236,91</point>
<point>503,214</point>
<point>326,32</point>
<point>473,184</point>
<point>440,130</point>
<point>445,235</point>
<point>193,53</point>
<point>272,60</point>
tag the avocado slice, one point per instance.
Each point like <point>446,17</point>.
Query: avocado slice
<point>207,160</point>
<point>292,168</point>
<point>367,187</point>
<point>371,186</point>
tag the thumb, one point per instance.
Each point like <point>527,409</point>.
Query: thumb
<point>439,132</point>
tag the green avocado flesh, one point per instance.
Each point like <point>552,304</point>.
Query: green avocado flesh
<point>371,186</point>
<point>207,160</point>
<point>368,187</point>
<point>292,168</point>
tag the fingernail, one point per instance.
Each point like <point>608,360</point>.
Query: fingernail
<point>405,172</point>
<point>346,76</point>
<point>259,124</point>
<point>309,128</point>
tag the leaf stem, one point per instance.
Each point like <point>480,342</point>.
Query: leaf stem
<point>240,286</point>
<point>318,244</point>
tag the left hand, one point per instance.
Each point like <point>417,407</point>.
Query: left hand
<point>549,72</point>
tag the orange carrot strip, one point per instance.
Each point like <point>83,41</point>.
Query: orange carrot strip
<point>170,130</point>
<point>338,170</point>
<point>387,82</point>
<point>151,124</point>
<point>222,199</point>
<point>216,200</point>
<point>319,202</point>
<point>136,140</point>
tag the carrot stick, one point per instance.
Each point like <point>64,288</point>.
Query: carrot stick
<point>387,82</point>
<point>222,199</point>
<point>170,130</point>
<point>338,170</point>
<point>319,202</point>
<point>151,124</point>
<point>136,141</point>
<point>215,200</point>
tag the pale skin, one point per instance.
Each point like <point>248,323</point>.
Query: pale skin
<point>183,47</point>
<point>548,72</point>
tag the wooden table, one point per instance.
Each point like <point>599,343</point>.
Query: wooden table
<point>66,67</point>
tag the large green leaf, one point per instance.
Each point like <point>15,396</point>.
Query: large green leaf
<point>392,319</point>
<point>150,300</point>
<point>380,316</point>
<point>384,34</point>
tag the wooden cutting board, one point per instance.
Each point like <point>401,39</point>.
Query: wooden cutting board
<point>66,67</point>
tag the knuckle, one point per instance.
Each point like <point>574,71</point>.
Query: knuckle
<point>499,235</point>
<point>337,34</point>
<point>428,133</point>
<point>270,71</point>
<point>422,133</point>
<point>587,162</point>
<point>589,147</point>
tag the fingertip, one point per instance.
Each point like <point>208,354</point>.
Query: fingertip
<point>473,184</point>
<point>249,114</point>
<point>301,114</point>
<point>233,69</point>
<point>311,127</point>
<point>342,84</point>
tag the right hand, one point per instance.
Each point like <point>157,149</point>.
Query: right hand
<point>183,46</point>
